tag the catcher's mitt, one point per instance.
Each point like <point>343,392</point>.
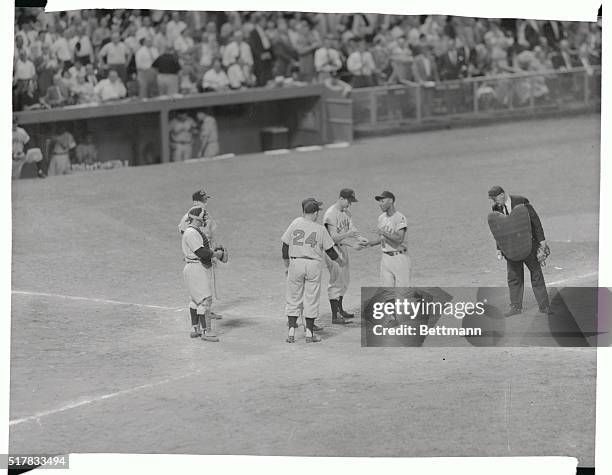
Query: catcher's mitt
<point>225,256</point>
<point>542,254</point>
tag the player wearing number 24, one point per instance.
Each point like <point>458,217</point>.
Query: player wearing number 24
<point>304,245</point>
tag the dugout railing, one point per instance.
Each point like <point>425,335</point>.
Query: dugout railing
<point>519,94</point>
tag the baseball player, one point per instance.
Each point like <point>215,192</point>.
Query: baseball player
<point>200,198</point>
<point>395,262</point>
<point>339,224</point>
<point>20,155</point>
<point>198,273</point>
<point>304,244</point>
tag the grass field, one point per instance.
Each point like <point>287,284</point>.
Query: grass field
<point>101,358</point>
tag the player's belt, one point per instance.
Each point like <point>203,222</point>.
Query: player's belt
<point>304,257</point>
<point>393,253</point>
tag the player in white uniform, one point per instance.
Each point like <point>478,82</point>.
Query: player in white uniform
<point>395,263</point>
<point>198,272</point>
<point>339,224</point>
<point>305,242</point>
<point>200,198</point>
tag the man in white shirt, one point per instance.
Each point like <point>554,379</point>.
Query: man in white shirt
<point>215,78</point>
<point>361,65</point>
<point>83,90</point>
<point>62,50</point>
<point>24,70</point>
<point>116,55</point>
<point>174,27</point>
<point>81,45</point>
<point>111,88</point>
<point>238,52</point>
<point>327,60</point>
<point>147,75</point>
<point>146,31</point>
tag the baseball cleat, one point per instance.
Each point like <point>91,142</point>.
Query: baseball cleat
<point>290,339</point>
<point>210,337</point>
<point>313,339</point>
<point>513,311</point>
<point>195,334</point>
<point>339,321</point>
<point>317,328</point>
<point>347,315</point>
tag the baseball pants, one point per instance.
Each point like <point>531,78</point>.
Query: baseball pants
<point>395,270</point>
<point>59,165</point>
<point>198,280</point>
<point>516,280</point>
<point>33,155</point>
<point>303,287</point>
<point>181,151</point>
<point>339,276</point>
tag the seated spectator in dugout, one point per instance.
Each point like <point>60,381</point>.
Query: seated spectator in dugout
<point>111,88</point>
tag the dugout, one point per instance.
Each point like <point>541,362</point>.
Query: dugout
<point>138,130</point>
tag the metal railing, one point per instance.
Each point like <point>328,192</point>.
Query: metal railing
<point>519,93</point>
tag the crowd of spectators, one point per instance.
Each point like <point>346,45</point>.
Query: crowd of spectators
<point>93,56</point>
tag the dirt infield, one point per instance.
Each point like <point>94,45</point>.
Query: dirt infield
<point>101,358</point>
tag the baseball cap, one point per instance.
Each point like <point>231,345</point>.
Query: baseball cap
<point>385,194</point>
<point>495,190</point>
<point>200,195</point>
<point>197,212</point>
<point>348,194</point>
<point>311,205</point>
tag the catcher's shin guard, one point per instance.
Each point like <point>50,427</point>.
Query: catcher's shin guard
<point>209,334</point>
<point>341,310</point>
<point>195,319</point>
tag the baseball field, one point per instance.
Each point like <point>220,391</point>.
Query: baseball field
<point>101,359</point>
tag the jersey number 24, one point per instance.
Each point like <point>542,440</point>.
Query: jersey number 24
<point>299,234</point>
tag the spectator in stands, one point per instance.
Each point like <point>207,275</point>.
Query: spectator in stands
<point>55,96</point>
<point>207,50</point>
<point>208,136</point>
<point>188,80</point>
<point>160,40</point>
<point>261,48</point>
<point>62,51</point>
<point>215,79</point>
<point>401,62</point>
<point>111,88</point>
<point>146,31</point>
<point>168,67</point>
<point>327,61</point>
<point>24,72</point>
<point>284,53</point>
<point>554,32</point>
<point>83,91</point>
<point>146,73</point>
<point>174,27</point>
<point>101,35</point>
<point>61,152</point>
<point>86,152</point>
<point>28,98</point>
<point>361,65</point>
<point>565,59</point>
<point>182,128</point>
<point>114,56</point>
<point>82,47</point>
<point>77,70</point>
<point>184,44</point>
<point>452,64</point>
<point>91,75</point>
<point>66,83</point>
<point>381,52</point>
<point>306,44</point>
<point>20,156</point>
<point>425,73</point>
<point>238,60</point>
<point>129,39</point>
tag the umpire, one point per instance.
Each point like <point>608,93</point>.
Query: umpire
<point>505,203</point>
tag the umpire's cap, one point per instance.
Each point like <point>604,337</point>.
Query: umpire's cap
<point>200,195</point>
<point>311,205</point>
<point>495,191</point>
<point>385,194</point>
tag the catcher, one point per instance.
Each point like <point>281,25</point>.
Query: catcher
<point>505,203</point>
<point>198,273</point>
<point>200,199</point>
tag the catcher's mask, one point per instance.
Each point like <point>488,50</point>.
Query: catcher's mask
<point>198,213</point>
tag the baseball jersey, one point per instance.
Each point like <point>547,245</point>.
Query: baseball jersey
<point>193,240</point>
<point>340,219</point>
<point>20,138</point>
<point>307,239</point>
<point>391,224</point>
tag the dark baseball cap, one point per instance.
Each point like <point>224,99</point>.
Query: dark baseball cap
<point>385,194</point>
<point>311,205</point>
<point>200,195</point>
<point>495,191</point>
<point>348,194</point>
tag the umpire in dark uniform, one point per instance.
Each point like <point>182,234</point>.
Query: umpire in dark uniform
<point>505,203</point>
